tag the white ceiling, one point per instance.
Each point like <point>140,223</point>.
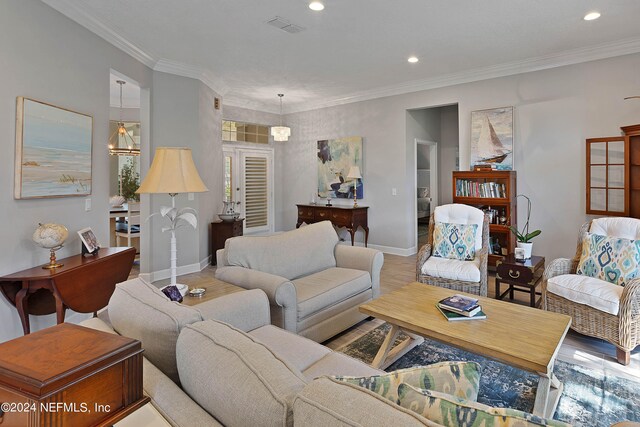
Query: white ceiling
<point>355,49</point>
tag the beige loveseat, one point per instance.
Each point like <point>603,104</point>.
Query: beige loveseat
<point>314,284</point>
<point>236,369</point>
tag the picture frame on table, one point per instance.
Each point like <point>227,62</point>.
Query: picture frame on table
<point>89,241</point>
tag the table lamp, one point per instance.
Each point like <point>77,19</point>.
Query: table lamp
<point>173,171</point>
<point>354,174</point>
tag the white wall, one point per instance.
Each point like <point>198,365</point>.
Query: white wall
<point>48,57</point>
<point>555,110</point>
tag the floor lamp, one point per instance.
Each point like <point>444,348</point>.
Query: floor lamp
<point>173,171</point>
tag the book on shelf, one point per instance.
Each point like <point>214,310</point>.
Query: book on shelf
<point>486,190</point>
<point>452,316</point>
<point>458,303</point>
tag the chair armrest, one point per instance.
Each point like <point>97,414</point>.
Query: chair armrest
<point>483,255</point>
<point>279,290</point>
<point>246,310</point>
<point>423,256</point>
<point>364,259</point>
<point>630,302</point>
<point>220,258</point>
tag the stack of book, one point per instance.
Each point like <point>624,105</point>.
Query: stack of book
<point>460,307</point>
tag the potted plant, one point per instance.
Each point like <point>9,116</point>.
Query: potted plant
<point>129,180</point>
<point>524,237</point>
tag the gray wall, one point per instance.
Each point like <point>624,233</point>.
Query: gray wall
<point>50,58</point>
<point>555,111</point>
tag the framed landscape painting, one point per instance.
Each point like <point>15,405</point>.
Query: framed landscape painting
<point>335,158</point>
<point>492,138</point>
<point>53,151</point>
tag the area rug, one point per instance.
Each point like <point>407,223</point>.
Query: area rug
<point>589,398</point>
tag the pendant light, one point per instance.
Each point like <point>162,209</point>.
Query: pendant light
<point>121,134</point>
<point>280,133</point>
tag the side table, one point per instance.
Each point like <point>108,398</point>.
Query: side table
<point>521,276</point>
<point>221,231</point>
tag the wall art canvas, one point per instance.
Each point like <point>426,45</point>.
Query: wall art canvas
<point>335,158</point>
<point>492,138</point>
<point>53,151</point>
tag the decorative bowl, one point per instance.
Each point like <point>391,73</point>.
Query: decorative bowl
<point>229,217</point>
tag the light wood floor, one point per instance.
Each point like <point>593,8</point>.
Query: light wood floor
<point>398,271</point>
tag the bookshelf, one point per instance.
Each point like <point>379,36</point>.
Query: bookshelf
<point>495,193</point>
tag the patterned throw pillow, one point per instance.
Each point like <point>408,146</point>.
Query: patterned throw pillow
<point>614,259</point>
<point>455,412</point>
<point>460,379</point>
<point>455,241</point>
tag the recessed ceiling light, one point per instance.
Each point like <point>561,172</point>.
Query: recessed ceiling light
<point>413,59</point>
<point>316,5</point>
<point>591,16</point>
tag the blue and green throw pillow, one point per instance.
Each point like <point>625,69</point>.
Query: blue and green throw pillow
<point>454,241</point>
<point>614,259</point>
<point>459,379</point>
<point>452,411</point>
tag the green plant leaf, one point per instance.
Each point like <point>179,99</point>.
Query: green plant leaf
<point>532,235</point>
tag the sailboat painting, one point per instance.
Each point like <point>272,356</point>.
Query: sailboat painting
<point>492,138</point>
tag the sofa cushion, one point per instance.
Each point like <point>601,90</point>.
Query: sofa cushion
<point>296,350</point>
<point>459,379</point>
<point>327,402</point>
<point>457,213</point>
<point>444,268</point>
<point>234,377</point>
<point>323,289</point>
<point>139,310</point>
<point>451,411</point>
<point>614,259</point>
<point>335,364</point>
<point>454,241</point>
<point>596,293</point>
<point>290,255</point>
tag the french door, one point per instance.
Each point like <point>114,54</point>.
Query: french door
<point>249,182</point>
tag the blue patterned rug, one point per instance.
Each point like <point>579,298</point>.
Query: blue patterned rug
<point>589,398</point>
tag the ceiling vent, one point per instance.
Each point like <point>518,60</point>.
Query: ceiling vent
<point>284,25</point>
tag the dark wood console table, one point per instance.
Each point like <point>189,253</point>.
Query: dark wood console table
<point>340,216</point>
<point>83,284</point>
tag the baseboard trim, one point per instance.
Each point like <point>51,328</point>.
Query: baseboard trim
<point>182,269</point>
<point>386,249</point>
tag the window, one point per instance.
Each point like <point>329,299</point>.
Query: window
<point>244,132</point>
<point>607,176</point>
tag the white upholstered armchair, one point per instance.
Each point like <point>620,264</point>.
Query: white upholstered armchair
<point>460,275</point>
<point>598,308</point>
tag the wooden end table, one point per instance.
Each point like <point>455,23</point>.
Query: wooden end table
<point>521,276</point>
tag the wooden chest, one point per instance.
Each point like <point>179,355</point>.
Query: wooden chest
<point>221,231</point>
<point>69,375</point>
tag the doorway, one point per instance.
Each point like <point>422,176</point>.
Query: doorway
<point>124,146</point>
<point>433,138</point>
<point>248,182</point>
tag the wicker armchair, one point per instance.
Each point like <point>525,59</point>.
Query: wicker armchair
<point>482,255</point>
<point>621,330</point>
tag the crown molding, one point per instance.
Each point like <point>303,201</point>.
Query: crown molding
<point>76,14</point>
<point>559,59</point>
<point>234,100</point>
<point>191,71</point>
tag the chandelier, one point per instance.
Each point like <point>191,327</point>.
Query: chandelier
<point>280,133</point>
<point>121,142</point>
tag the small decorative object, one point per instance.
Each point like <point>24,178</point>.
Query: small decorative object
<point>172,292</point>
<point>116,201</point>
<point>197,292</point>
<point>53,151</point>
<point>229,213</point>
<point>503,218</point>
<point>50,236</point>
<point>354,174</point>
<point>519,254</point>
<point>335,159</point>
<point>329,201</point>
<point>492,138</point>
<point>524,237</point>
<point>89,242</point>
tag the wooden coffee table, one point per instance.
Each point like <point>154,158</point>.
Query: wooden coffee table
<point>520,336</point>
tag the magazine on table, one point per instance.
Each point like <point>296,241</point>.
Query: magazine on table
<point>460,304</point>
<point>452,316</point>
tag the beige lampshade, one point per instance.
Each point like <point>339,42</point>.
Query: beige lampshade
<point>354,173</point>
<point>172,171</point>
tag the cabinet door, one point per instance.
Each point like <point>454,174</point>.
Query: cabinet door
<point>608,176</point>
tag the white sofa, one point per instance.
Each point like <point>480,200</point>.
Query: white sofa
<point>314,284</point>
